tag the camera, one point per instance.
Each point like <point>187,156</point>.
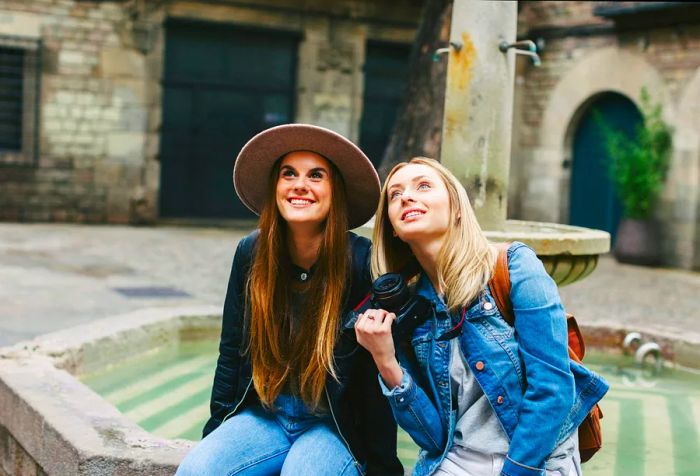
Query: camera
<point>390,292</point>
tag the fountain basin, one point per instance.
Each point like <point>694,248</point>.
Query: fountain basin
<point>569,253</point>
<point>145,361</point>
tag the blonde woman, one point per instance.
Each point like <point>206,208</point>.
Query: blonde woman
<point>293,393</point>
<point>478,396</point>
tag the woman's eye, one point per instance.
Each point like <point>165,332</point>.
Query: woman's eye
<point>316,175</point>
<point>394,194</point>
<point>287,173</point>
<point>424,186</point>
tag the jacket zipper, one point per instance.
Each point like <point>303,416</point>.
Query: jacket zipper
<point>240,402</point>
<point>337,427</point>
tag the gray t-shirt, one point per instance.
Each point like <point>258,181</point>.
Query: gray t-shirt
<point>478,427</point>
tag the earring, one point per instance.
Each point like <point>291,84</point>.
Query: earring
<point>393,232</point>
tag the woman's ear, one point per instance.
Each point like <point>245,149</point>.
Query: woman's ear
<point>393,233</point>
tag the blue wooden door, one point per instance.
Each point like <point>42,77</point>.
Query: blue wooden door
<point>593,201</point>
<point>222,84</point>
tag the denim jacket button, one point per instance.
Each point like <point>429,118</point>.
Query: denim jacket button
<point>479,365</point>
<point>488,306</point>
<point>499,400</point>
<point>401,399</point>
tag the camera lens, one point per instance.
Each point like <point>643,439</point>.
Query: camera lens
<point>390,291</point>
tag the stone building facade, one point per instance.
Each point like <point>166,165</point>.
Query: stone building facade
<point>94,153</point>
<point>592,48</point>
<point>98,133</point>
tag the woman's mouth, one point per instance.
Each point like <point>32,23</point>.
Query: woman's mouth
<point>300,202</point>
<point>411,214</point>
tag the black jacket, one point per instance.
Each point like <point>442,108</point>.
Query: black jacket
<point>362,413</point>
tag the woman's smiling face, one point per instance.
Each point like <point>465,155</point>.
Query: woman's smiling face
<point>418,203</point>
<point>303,192</point>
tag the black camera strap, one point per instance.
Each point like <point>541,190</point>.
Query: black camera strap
<point>455,330</point>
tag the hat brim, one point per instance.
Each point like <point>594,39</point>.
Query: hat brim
<point>251,171</point>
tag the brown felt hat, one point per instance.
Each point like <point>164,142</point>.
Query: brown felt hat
<point>251,171</point>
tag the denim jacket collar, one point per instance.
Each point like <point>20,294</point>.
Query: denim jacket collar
<point>425,288</point>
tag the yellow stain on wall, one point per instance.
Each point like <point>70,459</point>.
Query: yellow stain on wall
<point>461,63</point>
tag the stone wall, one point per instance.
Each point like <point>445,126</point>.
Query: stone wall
<point>93,109</point>
<point>100,113</point>
<point>584,55</point>
<point>14,460</point>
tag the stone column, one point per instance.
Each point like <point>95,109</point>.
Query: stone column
<point>479,105</point>
<point>330,76</point>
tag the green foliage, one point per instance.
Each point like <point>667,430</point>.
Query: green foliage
<point>638,165</point>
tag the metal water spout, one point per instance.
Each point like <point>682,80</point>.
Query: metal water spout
<point>645,351</point>
<point>524,47</point>
<point>632,339</point>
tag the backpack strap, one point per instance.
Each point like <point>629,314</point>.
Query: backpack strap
<point>499,284</point>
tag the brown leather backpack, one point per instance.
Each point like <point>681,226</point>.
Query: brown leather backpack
<point>590,436</point>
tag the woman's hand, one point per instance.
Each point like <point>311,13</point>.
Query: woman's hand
<point>373,331</point>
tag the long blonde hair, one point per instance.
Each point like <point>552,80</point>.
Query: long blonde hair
<point>466,260</point>
<point>296,349</point>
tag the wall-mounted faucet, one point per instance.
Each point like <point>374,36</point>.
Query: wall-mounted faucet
<point>530,49</point>
<point>457,45</point>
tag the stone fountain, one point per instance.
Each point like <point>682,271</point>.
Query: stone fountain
<point>476,138</point>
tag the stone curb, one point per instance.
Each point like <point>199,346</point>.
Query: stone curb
<point>64,426</point>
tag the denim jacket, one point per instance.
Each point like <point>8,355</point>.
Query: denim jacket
<point>361,414</point>
<point>539,395</point>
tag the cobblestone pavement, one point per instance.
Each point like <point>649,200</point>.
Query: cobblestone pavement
<point>56,276</point>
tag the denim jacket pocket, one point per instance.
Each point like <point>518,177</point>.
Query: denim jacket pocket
<point>492,325</point>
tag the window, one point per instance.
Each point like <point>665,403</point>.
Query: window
<point>19,100</point>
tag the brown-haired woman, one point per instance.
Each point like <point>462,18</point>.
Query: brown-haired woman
<point>293,392</point>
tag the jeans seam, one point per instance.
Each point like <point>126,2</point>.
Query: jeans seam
<point>257,461</point>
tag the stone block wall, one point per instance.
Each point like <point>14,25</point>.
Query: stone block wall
<point>584,55</point>
<point>100,112</point>
<point>14,460</point>
<point>93,116</point>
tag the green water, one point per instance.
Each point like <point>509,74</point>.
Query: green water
<point>650,424</point>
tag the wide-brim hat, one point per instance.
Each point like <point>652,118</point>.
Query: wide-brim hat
<point>251,172</point>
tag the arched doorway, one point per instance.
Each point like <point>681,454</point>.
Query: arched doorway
<point>593,201</point>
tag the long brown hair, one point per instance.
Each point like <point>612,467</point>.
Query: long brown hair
<point>466,260</point>
<point>296,349</point>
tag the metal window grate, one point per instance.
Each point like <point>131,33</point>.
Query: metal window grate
<point>20,76</point>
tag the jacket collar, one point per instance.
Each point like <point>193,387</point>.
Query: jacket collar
<point>425,288</point>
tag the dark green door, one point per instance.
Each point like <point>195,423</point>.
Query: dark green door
<point>594,203</point>
<point>222,84</point>
<point>386,77</point>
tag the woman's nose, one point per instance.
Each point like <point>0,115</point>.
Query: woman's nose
<point>300,184</point>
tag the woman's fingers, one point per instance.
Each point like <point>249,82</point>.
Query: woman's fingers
<point>388,321</point>
<point>371,319</point>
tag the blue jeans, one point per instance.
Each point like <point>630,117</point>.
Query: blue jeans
<point>257,442</point>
